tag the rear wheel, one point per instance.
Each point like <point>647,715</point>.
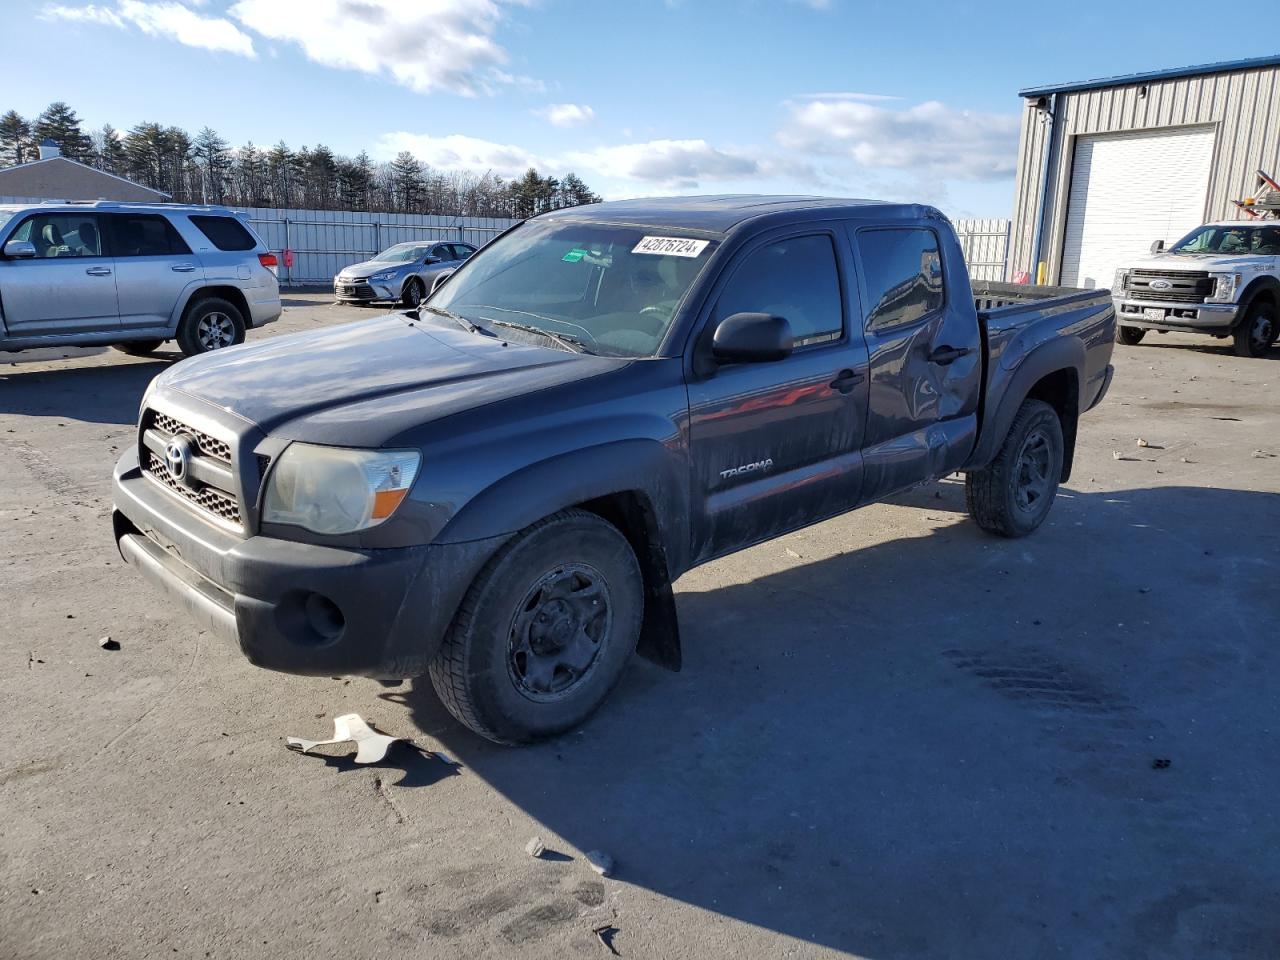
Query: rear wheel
<point>544,631</point>
<point>138,348</point>
<point>1131,336</point>
<point>1012,495</point>
<point>210,324</point>
<point>1257,331</point>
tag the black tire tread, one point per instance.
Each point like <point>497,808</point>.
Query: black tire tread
<point>1130,336</point>
<point>186,326</point>
<point>138,348</point>
<point>984,490</point>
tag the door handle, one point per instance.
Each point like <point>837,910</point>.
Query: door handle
<point>183,268</point>
<point>945,355</point>
<point>98,272</point>
<point>845,381</point>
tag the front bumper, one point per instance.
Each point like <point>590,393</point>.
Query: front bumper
<point>295,607</point>
<point>364,291</point>
<point>1192,317</point>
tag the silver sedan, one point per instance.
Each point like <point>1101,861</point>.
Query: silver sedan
<point>404,273</point>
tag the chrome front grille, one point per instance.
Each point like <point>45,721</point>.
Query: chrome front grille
<point>205,465</point>
<point>1179,286</point>
<point>209,446</point>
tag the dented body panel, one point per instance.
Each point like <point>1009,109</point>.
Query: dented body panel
<point>692,458</point>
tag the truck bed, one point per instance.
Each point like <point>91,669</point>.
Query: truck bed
<point>992,297</point>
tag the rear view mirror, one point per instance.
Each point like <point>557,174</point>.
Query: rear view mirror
<point>1157,246</point>
<point>19,249</point>
<point>752,338</point>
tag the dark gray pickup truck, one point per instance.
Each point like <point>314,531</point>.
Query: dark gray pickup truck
<point>500,487</point>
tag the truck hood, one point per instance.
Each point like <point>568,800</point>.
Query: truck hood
<point>1196,261</point>
<point>362,383</point>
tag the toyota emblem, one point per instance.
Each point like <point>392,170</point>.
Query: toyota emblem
<point>177,457</point>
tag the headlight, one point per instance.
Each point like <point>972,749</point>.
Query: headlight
<point>1225,286</point>
<point>385,277</point>
<point>1117,285</point>
<point>336,489</point>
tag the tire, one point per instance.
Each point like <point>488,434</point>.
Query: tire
<point>138,348</point>
<point>503,670</point>
<point>1130,336</point>
<point>999,495</point>
<point>412,293</point>
<point>210,324</point>
<point>1255,334</point>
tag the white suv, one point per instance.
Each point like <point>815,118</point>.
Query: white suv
<point>132,276</point>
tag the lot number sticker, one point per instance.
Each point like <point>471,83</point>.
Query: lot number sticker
<point>670,246</point>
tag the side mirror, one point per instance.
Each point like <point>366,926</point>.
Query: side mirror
<point>431,260</point>
<point>19,249</point>
<point>752,338</point>
<point>1157,246</point>
<point>441,277</point>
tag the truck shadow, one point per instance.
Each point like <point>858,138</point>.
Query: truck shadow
<point>949,744</point>
<point>92,394</point>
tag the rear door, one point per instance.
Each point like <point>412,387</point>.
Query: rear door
<point>925,357</point>
<point>68,287</point>
<point>777,445</point>
<point>154,266</point>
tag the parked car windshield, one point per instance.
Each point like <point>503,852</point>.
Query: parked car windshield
<point>1231,239</point>
<point>614,289</point>
<point>404,252</point>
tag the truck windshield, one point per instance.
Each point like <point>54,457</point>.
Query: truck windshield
<point>614,289</point>
<point>1231,239</point>
<point>403,252</point>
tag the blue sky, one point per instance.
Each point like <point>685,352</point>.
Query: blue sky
<point>639,97</point>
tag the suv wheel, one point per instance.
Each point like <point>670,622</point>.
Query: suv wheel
<point>412,294</point>
<point>1257,332</point>
<point>1012,495</point>
<point>544,631</point>
<point>1130,336</point>
<point>210,324</point>
<point>138,348</point>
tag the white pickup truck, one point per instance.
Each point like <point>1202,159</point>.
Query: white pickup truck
<point>1221,279</point>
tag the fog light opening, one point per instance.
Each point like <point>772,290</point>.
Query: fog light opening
<point>324,616</point>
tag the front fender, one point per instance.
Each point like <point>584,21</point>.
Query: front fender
<point>1256,286</point>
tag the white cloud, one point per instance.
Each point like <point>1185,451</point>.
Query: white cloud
<point>926,139</point>
<point>567,114</point>
<point>676,164</point>
<point>443,45</point>
<point>459,152</point>
<point>174,21</point>
<point>845,95</point>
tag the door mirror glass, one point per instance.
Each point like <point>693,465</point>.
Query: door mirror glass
<point>1157,246</point>
<point>19,249</point>
<point>752,338</point>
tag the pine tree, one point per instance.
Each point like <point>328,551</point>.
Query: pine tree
<point>109,152</point>
<point>15,135</point>
<point>213,156</point>
<point>573,192</point>
<point>248,176</point>
<point>60,124</point>
<point>406,182</point>
<point>280,174</point>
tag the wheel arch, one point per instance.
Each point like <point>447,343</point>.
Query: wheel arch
<point>233,295</point>
<point>1259,290</point>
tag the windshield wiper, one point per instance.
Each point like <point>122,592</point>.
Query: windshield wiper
<point>572,344</point>
<point>460,320</point>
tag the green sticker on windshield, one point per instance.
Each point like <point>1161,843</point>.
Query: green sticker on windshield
<point>574,255</point>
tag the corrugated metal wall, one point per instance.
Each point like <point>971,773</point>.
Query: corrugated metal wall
<point>1243,107</point>
<point>986,246</point>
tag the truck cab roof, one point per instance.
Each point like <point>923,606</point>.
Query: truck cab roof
<point>722,213</point>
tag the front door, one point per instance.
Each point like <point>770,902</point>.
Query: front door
<point>154,266</point>
<point>925,358</point>
<point>68,287</point>
<point>776,445</point>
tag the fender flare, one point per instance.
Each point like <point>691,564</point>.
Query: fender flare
<point>1063,353</point>
<point>1255,287</point>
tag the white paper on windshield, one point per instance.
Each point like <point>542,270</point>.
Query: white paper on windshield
<point>670,246</point>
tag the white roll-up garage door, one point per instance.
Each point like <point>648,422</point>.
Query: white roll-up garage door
<point>1127,190</point>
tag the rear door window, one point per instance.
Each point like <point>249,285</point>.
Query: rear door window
<point>796,279</point>
<point>461,251</point>
<point>62,234</point>
<point>902,271</point>
<point>144,235</point>
<point>225,233</point>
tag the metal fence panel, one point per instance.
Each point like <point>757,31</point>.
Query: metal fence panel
<point>985,244</point>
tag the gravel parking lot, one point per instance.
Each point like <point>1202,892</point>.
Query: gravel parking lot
<point>894,736</point>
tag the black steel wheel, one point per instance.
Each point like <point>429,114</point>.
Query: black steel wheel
<point>1255,334</point>
<point>1130,336</point>
<point>1012,495</point>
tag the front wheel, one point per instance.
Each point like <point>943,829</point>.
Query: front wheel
<point>544,630</point>
<point>1130,336</point>
<point>412,294</point>
<point>1256,333</point>
<point>210,324</point>
<point>1012,495</point>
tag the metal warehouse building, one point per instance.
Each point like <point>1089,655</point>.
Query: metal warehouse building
<point>1107,166</point>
